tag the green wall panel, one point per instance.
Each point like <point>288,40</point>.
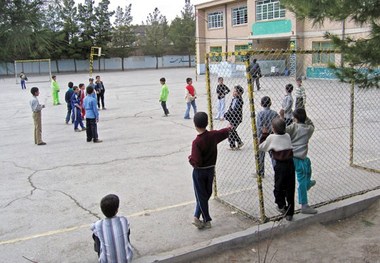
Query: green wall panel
<point>272,27</point>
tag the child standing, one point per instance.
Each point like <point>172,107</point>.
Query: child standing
<point>300,95</point>
<point>100,90</point>
<point>82,96</point>
<point>221,90</point>
<point>23,80</point>
<point>164,96</point>
<point>264,120</point>
<point>203,159</point>
<point>92,115</point>
<point>190,97</point>
<point>77,110</point>
<point>111,234</point>
<point>69,93</point>
<point>36,109</point>
<point>55,90</point>
<point>235,116</point>
<point>91,83</point>
<point>287,104</point>
<point>300,132</point>
<point>280,145</point>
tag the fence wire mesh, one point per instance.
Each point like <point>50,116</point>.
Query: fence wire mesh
<point>345,136</point>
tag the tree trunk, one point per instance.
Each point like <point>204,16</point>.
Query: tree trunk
<point>57,64</point>
<point>156,62</point>
<point>122,63</point>
<point>189,60</point>
<point>75,65</point>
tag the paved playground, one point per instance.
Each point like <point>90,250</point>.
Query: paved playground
<point>50,194</point>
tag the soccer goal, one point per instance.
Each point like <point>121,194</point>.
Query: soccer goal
<point>36,70</point>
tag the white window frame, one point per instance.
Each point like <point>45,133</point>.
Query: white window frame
<point>239,15</point>
<point>269,10</point>
<point>215,20</point>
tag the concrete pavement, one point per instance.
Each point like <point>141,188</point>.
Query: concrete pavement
<point>50,194</point>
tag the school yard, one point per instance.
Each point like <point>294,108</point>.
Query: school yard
<point>50,194</point>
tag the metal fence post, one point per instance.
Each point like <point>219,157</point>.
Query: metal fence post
<point>263,217</point>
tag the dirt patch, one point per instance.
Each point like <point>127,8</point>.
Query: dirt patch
<point>354,239</point>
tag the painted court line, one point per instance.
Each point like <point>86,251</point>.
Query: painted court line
<point>70,229</point>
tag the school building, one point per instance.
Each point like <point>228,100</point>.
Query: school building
<point>233,25</point>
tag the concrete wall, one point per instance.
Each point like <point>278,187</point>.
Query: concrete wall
<point>102,64</point>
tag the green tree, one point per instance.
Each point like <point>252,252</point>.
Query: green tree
<point>182,32</point>
<point>21,30</point>
<point>87,21</point>
<point>70,29</point>
<point>70,32</point>
<point>156,35</point>
<point>54,24</point>
<point>103,26</point>
<point>361,56</point>
<point>52,19</point>
<point>123,37</point>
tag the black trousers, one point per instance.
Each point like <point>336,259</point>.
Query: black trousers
<point>91,129</point>
<point>101,97</point>
<point>202,181</point>
<point>163,105</point>
<point>257,81</point>
<point>284,185</point>
<point>233,137</point>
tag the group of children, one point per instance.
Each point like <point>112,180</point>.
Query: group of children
<point>190,97</point>
<point>98,87</point>
<point>81,103</point>
<point>284,135</point>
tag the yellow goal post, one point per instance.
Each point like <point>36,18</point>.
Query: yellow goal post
<point>36,70</point>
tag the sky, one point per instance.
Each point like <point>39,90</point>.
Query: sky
<point>141,8</point>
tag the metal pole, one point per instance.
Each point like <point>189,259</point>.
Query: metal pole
<point>91,61</point>
<point>208,89</point>
<point>352,116</point>
<point>263,217</point>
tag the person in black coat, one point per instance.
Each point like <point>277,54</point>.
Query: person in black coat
<point>100,90</point>
<point>255,71</point>
<point>235,116</point>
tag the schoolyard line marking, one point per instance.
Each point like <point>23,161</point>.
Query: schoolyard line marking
<point>70,229</point>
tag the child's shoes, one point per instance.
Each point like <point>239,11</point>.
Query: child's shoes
<point>207,224</point>
<point>308,210</point>
<point>198,223</point>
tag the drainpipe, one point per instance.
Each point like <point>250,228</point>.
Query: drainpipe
<point>226,30</point>
<point>343,38</point>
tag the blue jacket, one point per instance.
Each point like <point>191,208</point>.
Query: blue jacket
<point>91,106</point>
<point>264,119</point>
<point>68,95</point>
<point>75,100</point>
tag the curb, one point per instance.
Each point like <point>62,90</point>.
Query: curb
<point>332,212</point>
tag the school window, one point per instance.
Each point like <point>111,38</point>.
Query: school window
<point>217,50</point>
<point>269,9</point>
<point>323,58</point>
<point>239,58</point>
<point>215,20</point>
<point>239,16</point>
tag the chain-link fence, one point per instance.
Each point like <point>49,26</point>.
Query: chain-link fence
<point>345,119</point>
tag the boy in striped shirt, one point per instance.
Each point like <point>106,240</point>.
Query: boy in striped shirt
<point>111,235</point>
<point>300,95</point>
